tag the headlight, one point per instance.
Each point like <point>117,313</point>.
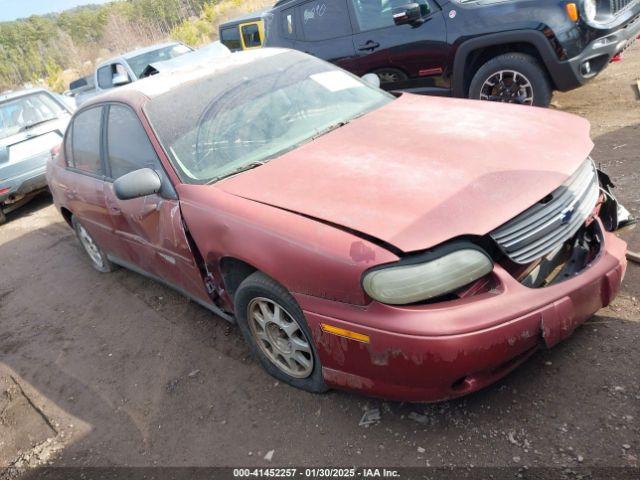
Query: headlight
<point>403,284</point>
<point>590,9</point>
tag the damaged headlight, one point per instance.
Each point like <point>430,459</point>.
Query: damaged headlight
<point>411,282</point>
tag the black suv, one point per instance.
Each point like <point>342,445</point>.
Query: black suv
<point>515,51</point>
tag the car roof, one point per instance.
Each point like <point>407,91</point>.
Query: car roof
<point>135,53</point>
<point>253,16</point>
<point>138,92</point>
<point>20,93</point>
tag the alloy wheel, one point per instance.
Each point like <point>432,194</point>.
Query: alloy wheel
<point>280,337</point>
<point>507,86</point>
<point>90,246</point>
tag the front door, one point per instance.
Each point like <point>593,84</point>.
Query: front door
<point>407,57</point>
<point>149,229</point>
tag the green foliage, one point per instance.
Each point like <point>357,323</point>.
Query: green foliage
<point>43,46</point>
<point>193,32</point>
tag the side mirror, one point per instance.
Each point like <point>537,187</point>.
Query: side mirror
<point>372,79</point>
<point>411,13</point>
<point>138,183</point>
<point>120,79</point>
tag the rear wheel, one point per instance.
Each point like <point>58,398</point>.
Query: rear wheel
<point>98,258</point>
<point>512,78</point>
<point>274,326</point>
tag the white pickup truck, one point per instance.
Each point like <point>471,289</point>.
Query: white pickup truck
<point>140,63</point>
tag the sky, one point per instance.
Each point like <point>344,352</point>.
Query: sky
<point>12,9</point>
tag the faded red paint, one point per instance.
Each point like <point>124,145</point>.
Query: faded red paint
<point>412,175</point>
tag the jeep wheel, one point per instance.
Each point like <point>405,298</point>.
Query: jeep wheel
<point>512,78</point>
<point>389,76</point>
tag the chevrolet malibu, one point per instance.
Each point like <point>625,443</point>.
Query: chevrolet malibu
<point>405,247</point>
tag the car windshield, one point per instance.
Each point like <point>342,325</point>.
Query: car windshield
<point>140,62</point>
<point>241,117</point>
<point>25,112</point>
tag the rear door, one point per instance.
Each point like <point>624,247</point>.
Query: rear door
<point>405,56</point>
<point>148,230</point>
<point>324,30</point>
<point>82,182</point>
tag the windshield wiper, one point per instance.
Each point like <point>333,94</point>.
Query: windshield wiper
<point>244,168</point>
<point>29,126</point>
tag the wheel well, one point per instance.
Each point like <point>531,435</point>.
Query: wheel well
<point>66,214</point>
<point>482,55</point>
<point>233,272</point>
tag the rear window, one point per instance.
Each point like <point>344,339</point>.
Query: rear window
<point>85,141</point>
<point>21,113</point>
<point>230,38</point>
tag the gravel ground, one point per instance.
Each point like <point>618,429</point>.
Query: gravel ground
<point>117,370</point>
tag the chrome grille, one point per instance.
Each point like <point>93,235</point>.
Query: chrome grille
<point>552,221</point>
<point>618,5</point>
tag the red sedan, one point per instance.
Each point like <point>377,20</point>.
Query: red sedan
<point>405,247</point>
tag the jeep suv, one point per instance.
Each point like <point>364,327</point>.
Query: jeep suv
<point>516,51</point>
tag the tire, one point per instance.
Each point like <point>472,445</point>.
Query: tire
<point>3,217</point>
<point>96,255</point>
<point>528,71</point>
<point>390,76</point>
<point>279,352</point>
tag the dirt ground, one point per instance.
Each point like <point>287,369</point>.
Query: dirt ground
<point>117,370</point>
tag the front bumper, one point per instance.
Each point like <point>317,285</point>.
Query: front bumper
<point>596,56</point>
<point>440,351</point>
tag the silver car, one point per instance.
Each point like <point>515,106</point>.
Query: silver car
<point>32,122</point>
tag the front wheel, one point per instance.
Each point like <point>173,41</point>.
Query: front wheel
<point>274,326</point>
<point>512,78</point>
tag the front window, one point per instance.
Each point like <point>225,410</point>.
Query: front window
<point>374,14</point>
<point>223,123</point>
<point>22,113</point>
<point>140,62</point>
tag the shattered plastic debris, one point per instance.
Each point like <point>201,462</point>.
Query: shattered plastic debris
<point>269,455</point>
<point>370,417</point>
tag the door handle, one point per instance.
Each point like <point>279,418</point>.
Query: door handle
<point>369,46</point>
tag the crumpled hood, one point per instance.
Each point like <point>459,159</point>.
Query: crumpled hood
<point>422,170</point>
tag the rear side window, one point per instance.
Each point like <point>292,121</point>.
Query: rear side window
<point>324,19</point>
<point>128,146</point>
<point>85,141</point>
<point>251,36</point>
<point>288,23</point>
<point>230,38</point>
